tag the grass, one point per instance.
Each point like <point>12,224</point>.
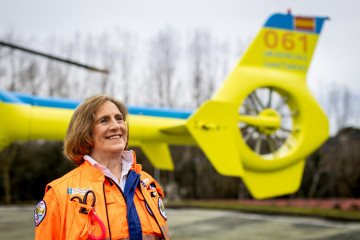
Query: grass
<point>337,214</point>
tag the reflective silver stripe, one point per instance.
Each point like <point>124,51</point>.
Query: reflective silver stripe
<point>165,232</point>
<point>144,237</point>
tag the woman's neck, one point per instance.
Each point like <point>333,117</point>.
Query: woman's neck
<point>112,162</point>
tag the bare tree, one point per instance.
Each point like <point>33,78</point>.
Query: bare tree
<point>107,62</point>
<point>199,56</point>
<point>57,74</point>
<point>126,56</point>
<point>162,62</point>
<point>340,105</point>
<point>206,64</point>
<point>16,69</point>
<point>343,119</point>
<point>7,156</point>
<point>163,56</point>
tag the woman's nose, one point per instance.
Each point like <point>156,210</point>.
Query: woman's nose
<point>114,125</point>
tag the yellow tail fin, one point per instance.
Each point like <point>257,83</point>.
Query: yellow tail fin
<point>285,43</point>
<point>214,127</point>
<point>269,119</point>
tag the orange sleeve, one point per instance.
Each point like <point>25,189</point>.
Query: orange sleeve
<point>47,217</point>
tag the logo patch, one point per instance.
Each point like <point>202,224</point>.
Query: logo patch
<point>77,190</point>
<point>145,182</point>
<point>149,210</point>
<point>152,186</point>
<point>154,193</point>
<point>39,212</point>
<point>162,208</point>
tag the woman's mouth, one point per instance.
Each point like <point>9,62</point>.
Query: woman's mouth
<point>114,137</point>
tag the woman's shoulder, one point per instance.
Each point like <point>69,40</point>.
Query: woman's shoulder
<point>145,175</point>
<point>63,181</point>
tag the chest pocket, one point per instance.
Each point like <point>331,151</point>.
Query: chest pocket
<point>144,207</point>
<point>142,200</point>
<point>148,222</point>
<point>156,194</point>
<point>77,217</point>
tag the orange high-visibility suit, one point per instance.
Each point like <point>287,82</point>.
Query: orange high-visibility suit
<point>136,213</point>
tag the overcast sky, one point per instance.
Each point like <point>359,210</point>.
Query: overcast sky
<point>336,58</point>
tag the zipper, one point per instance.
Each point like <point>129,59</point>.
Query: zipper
<point>107,216</point>
<point>122,193</point>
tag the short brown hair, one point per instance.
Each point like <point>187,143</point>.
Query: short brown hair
<point>78,140</point>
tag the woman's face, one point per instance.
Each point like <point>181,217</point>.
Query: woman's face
<point>109,134</point>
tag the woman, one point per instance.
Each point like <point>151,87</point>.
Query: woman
<point>107,196</point>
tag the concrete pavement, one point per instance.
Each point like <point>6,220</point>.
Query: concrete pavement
<point>196,224</point>
<point>213,224</point>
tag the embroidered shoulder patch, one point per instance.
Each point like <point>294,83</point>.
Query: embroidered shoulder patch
<point>162,208</point>
<point>39,212</point>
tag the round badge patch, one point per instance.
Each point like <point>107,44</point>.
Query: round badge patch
<point>162,208</point>
<point>39,212</point>
<point>149,210</point>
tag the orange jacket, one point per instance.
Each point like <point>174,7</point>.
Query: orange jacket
<point>57,217</point>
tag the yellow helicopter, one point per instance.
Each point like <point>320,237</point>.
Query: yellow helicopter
<point>260,125</point>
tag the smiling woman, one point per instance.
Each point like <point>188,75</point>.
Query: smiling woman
<point>108,196</point>
<point>79,139</point>
<point>109,133</point>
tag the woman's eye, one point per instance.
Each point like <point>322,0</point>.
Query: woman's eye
<point>119,118</point>
<point>103,120</point>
